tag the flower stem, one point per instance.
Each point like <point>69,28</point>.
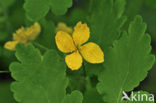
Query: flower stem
<point>4,71</point>
<point>40,46</point>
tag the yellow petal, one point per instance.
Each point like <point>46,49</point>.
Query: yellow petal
<point>10,45</point>
<point>74,60</point>
<point>64,27</point>
<point>64,42</point>
<point>81,33</point>
<point>33,31</point>
<point>20,35</point>
<point>92,53</point>
<point>25,34</point>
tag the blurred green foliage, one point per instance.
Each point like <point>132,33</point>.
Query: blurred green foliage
<point>107,20</point>
<point>6,95</point>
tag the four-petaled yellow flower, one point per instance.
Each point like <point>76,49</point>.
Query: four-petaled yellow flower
<point>73,44</point>
<point>23,35</point>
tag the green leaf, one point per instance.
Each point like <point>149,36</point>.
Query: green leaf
<point>127,63</point>
<point>59,7</point>
<point>47,35</point>
<point>37,9</point>
<point>105,21</point>
<point>91,95</point>
<point>75,97</point>
<point>76,80</point>
<point>38,79</point>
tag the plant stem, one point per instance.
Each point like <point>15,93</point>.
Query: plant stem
<point>40,46</point>
<point>4,71</point>
<point>90,6</point>
<point>84,71</point>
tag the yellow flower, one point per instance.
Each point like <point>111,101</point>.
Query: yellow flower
<point>23,35</point>
<point>66,43</point>
<point>64,27</point>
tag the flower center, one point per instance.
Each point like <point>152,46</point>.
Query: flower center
<point>77,46</point>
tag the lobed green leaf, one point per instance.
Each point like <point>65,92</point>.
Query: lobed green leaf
<point>37,9</point>
<point>105,23</point>
<point>38,79</point>
<point>75,97</point>
<point>128,63</point>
